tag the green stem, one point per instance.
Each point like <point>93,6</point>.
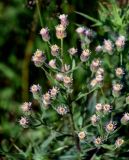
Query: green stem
<point>39,13</point>
<point>121,58</point>
<point>62,50</point>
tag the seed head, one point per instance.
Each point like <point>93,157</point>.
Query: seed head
<point>100,71</point>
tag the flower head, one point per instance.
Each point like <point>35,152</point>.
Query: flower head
<point>52,63</point>
<point>38,58</point>
<point>35,88</point>
<point>125,118</point>
<point>93,82</point>
<point>80,30</point>
<point>24,122</point>
<point>95,65</point>
<point>62,109</point>
<point>54,50</point>
<point>60,31</point>
<point>85,55</point>
<point>72,51</point>
<point>26,106</point>
<point>59,77</point>
<point>98,107</point>
<point>46,99</point>
<point>106,108</point>
<point>81,135</point>
<point>98,48</point>
<point>119,72</point>
<point>64,20</point>
<point>117,87</point>
<point>110,126</point>
<point>45,34</point>
<point>67,81</point>
<point>120,42</point>
<point>54,91</point>
<point>98,141</point>
<point>119,142</point>
<point>108,47</point>
<point>94,119</point>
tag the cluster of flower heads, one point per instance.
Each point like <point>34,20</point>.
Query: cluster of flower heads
<point>64,78</point>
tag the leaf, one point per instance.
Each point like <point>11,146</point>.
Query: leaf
<point>88,17</point>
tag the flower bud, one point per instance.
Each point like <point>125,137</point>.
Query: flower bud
<point>98,141</point>
<point>59,77</point>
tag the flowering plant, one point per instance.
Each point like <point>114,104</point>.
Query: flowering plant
<point>89,114</point>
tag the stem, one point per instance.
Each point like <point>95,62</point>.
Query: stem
<point>121,58</point>
<point>39,13</point>
<point>62,50</point>
<point>77,141</point>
